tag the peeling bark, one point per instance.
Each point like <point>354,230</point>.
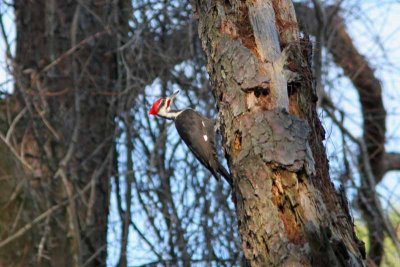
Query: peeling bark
<point>288,212</point>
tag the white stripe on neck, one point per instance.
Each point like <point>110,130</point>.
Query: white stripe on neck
<point>170,115</point>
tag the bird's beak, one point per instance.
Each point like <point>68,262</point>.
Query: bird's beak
<point>174,94</point>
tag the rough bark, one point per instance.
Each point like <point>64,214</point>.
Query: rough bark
<point>288,212</point>
<point>64,68</point>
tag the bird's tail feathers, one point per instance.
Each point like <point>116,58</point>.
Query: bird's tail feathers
<point>225,174</point>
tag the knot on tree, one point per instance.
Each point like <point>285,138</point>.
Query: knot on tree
<point>258,90</point>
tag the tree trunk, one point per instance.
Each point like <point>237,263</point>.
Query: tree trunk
<point>289,213</point>
<point>64,69</point>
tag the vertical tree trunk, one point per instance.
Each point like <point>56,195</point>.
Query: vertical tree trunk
<point>64,71</point>
<point>289,213</point>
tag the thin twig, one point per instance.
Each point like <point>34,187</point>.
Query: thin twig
<point>28,226</point>
<point>43,240</point>
<point>5,37</point>
<point>3,138</point>
<point>38,219</point>
<point>370,178</point>
<point>73,49</point>
<point>93,182</point>
<point>94,255</point>
<point>14,123</point>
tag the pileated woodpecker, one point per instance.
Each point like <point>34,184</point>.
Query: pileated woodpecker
<point>196,131</point>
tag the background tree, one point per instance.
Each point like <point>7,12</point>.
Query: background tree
<point>59,124</point>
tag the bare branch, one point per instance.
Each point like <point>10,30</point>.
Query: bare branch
<point>357,68</point>
<point>14,123</point>
<point>43,240</point>
<point>39,218</point>
<point>392,162</point>
<point>75,48</point>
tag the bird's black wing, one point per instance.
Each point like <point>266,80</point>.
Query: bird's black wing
<point>198,133</point>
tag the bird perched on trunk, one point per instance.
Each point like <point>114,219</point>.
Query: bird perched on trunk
<point>196,130</point>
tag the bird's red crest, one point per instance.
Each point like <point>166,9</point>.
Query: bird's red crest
<point>154,108</point>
